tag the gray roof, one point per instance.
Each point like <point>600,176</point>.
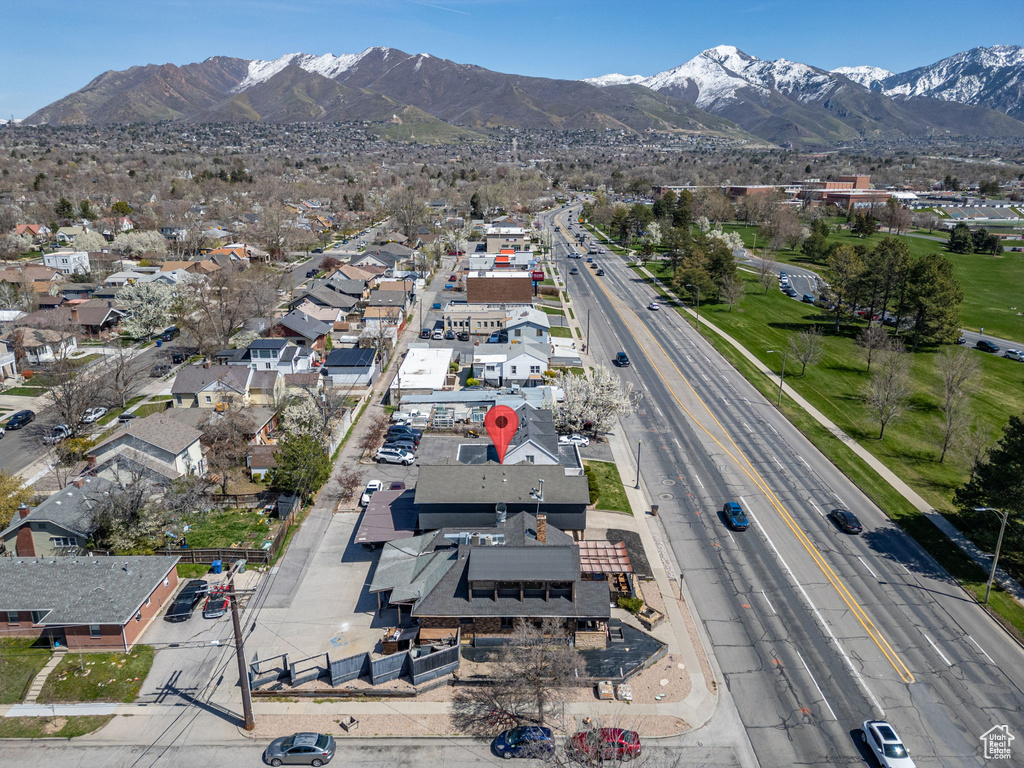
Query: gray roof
<point>304,325</point>
<point>70,508</point>
<point>523,564</point>
<point>325,297</point>
<point>537,425</point>
<point>268,344</point>
<point>341,284</point>
<point>195,378</point>
<point>86,590</point>
<point>159,430</point>
<point>380,298</point>
<point>489,484</point>
<point>351,358</point>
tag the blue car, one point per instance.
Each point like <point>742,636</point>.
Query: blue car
<point>735,516</point>
<point>525,741</point>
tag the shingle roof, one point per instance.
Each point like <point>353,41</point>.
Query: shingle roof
<point>158,430</point>
<point>327,297</point>
<point>350,358</point>
<point>304,325</point>
<point>489,484</point>
<point>89,590</point>
<point>71,508</point>
<point>523,564</point>
<point>195,378</point>
<point>268,344</point>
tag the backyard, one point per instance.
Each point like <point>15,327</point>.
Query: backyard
<point>232,528</point>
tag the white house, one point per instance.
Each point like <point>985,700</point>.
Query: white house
<point>423,370</point>
<point>528,324</point>
<point>157,443</point>
<point>43,345</point>
<point>8,365</point>
<point>270,355</point>
<point>518,364</point>
<point>68,262</point>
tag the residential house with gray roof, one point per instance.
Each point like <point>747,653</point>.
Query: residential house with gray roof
<point>59,525</point>
<point>156,444</point>
<point>302,329</point>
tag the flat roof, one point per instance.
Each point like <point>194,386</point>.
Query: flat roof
<point>390,515</point>
<point>423,368</point>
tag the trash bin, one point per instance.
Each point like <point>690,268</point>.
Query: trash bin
<point>217,566</point>
<point>241,566</point>
<point>159,342</point>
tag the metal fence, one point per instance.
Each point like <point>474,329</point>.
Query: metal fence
<point>342,670</point>
<point>308,669</point>
<point>268,671</point>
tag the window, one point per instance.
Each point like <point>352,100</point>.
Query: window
<point>147,600</point>
<point>178,397</point>
<point>466,620</point>
<point>508,623</point>
<point>208,399</point>
<point>531,459</point>
<point>512,370</point>
<point>63,541</point>
<point>94,630</point>
<point>519,331</point>
<point>534,369</point>
<point>13,617</point>
<point>266,366</point>
<point>540,332</point>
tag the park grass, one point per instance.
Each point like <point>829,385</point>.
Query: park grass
<point>219,530</point>
<point>19,664</point>
<point>606,489</point>
<point>109,676</point>
<point>51,727</point>
<point>563,332</point>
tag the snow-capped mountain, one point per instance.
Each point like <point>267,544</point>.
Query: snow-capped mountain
<point>614,79</point>
<point>328,65</point>
<point>865,75</point>
<point>991,77</point>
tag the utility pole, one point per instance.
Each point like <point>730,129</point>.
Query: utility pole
<point>999,545</point>
<point>588,329</point>
<point>697,289</point>
<point>243,672</point>
<point>782,376</point>
<point>639,443</point>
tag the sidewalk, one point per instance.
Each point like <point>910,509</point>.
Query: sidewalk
<point>40,679</point>
<point>937,518</point>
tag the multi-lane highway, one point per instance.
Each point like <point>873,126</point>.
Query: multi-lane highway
<point>814,630</point>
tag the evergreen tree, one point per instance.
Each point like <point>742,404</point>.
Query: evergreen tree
<point>934,297</point>
<point>682,214</point>
<point>960,239</point>
<point>997,480</point>
<point>303,465</point>
<point>64,208</point>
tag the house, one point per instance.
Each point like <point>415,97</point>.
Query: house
<point>398,300</point>
<point>528,324</point>
<point>424,369</point>
<point>477,319</point>
<point>85,603</point>
<point>35,231</point>
<point>95,316</point>
<point>302,329</point>
<point>270,355</point>
<point>536,442</point>
<point>59,525</point>
<point>459,495</point>
<point>391,237</point>
<point>67,235</point>
<point>352,367</point>
<point>68,262</point>
<point>261,460</point>
<point>375,317</point>
<point>503,237</point>
<point>471,405</point>
<point>218,386</point>
<point>8,363</point>
<point>263,420</point>
<point>362,274</point>
<point>176,232</point>
<point>330,315</point>
<point>483,580</point>
<point>337,282</point>
<point>78,290</point>
<point>158,443</point>
<point>498,287</point>
<point>323,296</point>
<point>43,345</point>
<point>40,279</point>
<point>519,364</point>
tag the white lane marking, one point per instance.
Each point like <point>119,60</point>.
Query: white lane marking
<point>865,564</point>
<point>817,508</point>
<point>698,481</point>
<point>901,565</point>
<point>980,648</point>
<point>746,401</point>
<point>705,378</point>
<point>723,399</point>
<point>747,427</point>
<point>836,495</point>
<point>820,692</point>
<point>941,654</point>
<point>769,603</point>
<point>821,619</point>
<point>773,430</point>
<point>802,459</point>
<point>706,357</point>
<point>689,359</point>
<point>729,534</point>
<point>776,460</point>
<point>678,444</point>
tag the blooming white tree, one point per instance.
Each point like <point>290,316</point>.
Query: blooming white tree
<point>89,241</point>
<point>592,400</point>
<point>148,306</point>
<point>704,224</point>
<point>654,233</point>
<point>732,240</point>
<point>134,244</point>
<point>314,413</point>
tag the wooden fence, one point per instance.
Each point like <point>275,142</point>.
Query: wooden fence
<point>254,556</point>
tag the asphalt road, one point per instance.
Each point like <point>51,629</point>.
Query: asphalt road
<point>814,630</point>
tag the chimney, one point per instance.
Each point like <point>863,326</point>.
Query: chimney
<point>23,510</point>
<point>74,314</point>
<point>501,513</point>
<point>78,482</point>
<point>91,461</point>
<point>542,528</point>
<point>206,364</point>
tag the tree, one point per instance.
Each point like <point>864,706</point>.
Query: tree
<point>314,413</point>
<point>958,368</point>
<point>149,307</point>
<point>845,267</point>
<point>86,211</point>
<point>13,493</point>
<point>997,480</point>
<point>816,247</point>
<point>933,299</point>
<point>73,390</point>
<point>807,347</point>
<point>895,216</point>
<point>64,209</point>
<point>89,241</point>
<point>134,245</point>
<point>890,387</point>
<point>129,520</point>
<point>303,465</point>
<point>122,371</point>
<point>531,671</point>
<point>731,290</point>
<point>593,400</point>
<point>405,205</point>
<point>212,311</point>
<point>864,225</point>
<point>960,240</point>
<point>871,340</point>
<point>767,271</point>
<point>121,208</point>
<point>226,436</point>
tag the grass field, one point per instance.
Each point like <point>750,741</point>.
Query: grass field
<point>562,332</point>
<point>223,529</point>
<point>149,409</point>
<point>26,391</point>
<point>19,664</point>
<point>51,727</point>
<point>192,570</point>
<point>98,676</point>
<point>607,491</point>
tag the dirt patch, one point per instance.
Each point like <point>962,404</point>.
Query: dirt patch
<point>54,725</point>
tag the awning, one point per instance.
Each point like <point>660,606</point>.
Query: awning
<point>598,556</point>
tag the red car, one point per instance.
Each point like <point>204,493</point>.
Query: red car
<point>606,744</point>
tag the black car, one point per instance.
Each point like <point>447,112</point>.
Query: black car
<point>622,359</point>
<point>170,334</point>
<point>311,272</point>
<point>426,333</point>
<point>400,443</point>
<point>401,429</point>
<point>600,273</point>
<point>846,520</point>
<point>21,419</point>
<point>986,346</point>
<point>178,357</point>
<point>462,336</point>
<point>186,601</point>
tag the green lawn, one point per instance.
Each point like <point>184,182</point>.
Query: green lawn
<point>149,409</point>
<point>223,529</point>
<point>98,676</point>
<point>562,332</point>
<point>551,310</point>
<point>192,570</point>
<point>606,491</point>
<point>51,727</point>
<point>19,664</point>
<point>25,391</point>
<point>115,412</point>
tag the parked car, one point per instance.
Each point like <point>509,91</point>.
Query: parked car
<point>438,334</point>
<point>159,370</point>
<point>396,485</point>
<point>186,601</point>
<point>217,603</point>
<point>525,741</point>
<point>170,334</point>
<point>21,419</point>
<point>399,443</point>
<point>846,520</point>
<point>1014,354</point>
<point>371,488</point>
<point>986,346</point>
<point>394,456</point>
<point>579,440</point>
<point>449,335</point>
<point>452,278</point>
<point>301,749</point>
<point>622,359</point>
<point>735,516</point>
<point>426,333</point>
<point>94,414</point>
<point>654,306</point>
<point>807,299</point>
<point>498,337</point>
<point>789,291</point>
<point>404,429</point>
<point>606,744</point>
<point>311,272</point>
<point>57,433</point>
<point>462,335</point>
<point>885,744</point>
<point>961,340</point>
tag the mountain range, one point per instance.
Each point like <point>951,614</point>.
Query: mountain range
<point>721,91</point>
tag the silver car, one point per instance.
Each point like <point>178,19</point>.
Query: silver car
<point>301,749</point>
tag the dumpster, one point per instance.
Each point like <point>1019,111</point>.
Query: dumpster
<point>217,566</point>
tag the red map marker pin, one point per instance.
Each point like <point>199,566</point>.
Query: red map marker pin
<point>502,423</point>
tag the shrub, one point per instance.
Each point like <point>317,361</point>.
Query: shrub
<point>471,382</point>
<point>631,604</point>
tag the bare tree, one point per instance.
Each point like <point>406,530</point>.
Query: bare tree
<point>212,312</point>
<point>731,290</point>
<point>349,482</point>
<point>376,429</point>
<point>958,369</point>
<point>889,389</point>
<point>807,347</point>
<point>973,446</point>
<point>767,270</point>
<point>226,436</point>
<point>73,390</point>
<point>122,371</point>
<point>872,340</point>
<point>129,520</point>
<point>406,206</point>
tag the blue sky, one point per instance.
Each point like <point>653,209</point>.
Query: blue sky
<point>54,47</point>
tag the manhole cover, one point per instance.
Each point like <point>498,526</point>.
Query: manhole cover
<point>665,496</point>
<point>668,482</point>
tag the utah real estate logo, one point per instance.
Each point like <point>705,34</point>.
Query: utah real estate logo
<point>996,742</point>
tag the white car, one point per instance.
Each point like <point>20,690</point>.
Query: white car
<point>654,306</point>
<point>886,746</point>
<point>579,440</point>
<point>394,456</point>
<point>1014,354</point>
<point>371,488</point>
<point>93,415</point>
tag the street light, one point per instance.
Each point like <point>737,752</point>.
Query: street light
<point>638,444</point>
<point>785,354</point>
<point>588,329</point>
<point>999,546</point>
<point>697,289</point>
